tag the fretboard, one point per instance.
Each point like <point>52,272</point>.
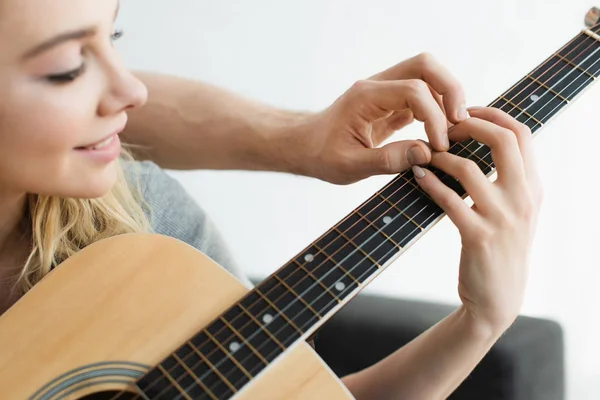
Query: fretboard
<point>293,302</point>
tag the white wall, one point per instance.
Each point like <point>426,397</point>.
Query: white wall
<point>303,54</point>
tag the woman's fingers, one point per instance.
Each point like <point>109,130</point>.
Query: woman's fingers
<point>469,175</point>
<point>501,140</point>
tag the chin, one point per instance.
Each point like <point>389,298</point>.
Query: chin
<point>98,184</point>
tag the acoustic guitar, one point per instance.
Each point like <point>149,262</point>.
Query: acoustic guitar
<point>144,316</point>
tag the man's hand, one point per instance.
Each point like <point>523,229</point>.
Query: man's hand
<point>340,144</point>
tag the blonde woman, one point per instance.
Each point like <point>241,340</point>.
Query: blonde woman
<point>66,180</point>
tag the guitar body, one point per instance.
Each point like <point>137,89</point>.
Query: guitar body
<point>114,310</point>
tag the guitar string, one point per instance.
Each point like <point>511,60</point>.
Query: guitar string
<point>513,98</point>
<point>380,230</point>
<point>525,110</point>
<point>546,71</point>
<point>384,257</point>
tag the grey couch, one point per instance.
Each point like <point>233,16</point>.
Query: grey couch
<point>527,363</point>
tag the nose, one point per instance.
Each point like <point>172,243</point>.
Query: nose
<point>124,91</point>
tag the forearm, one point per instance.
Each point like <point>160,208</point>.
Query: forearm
<point>193,125</point>
<point>431,366</point>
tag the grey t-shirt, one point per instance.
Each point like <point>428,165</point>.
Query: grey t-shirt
<point>176,214</point>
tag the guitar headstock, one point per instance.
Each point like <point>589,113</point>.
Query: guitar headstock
<point>592,19</point>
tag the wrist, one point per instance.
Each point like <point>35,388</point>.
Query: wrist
<point>289,143</point>
<point>482,328</point>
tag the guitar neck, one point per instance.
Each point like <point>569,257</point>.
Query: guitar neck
<point>292,303</point>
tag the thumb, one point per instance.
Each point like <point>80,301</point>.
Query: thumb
<point>393,158</point>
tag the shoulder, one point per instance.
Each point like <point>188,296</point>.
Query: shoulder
<point>173,212</point>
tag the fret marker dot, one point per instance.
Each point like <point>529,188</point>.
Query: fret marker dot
<point>534,97</point>
<point>387,219</point>
<point>234,346</point>
<point>309,257</point>
<point>267,318</point>
<point>340,286</point>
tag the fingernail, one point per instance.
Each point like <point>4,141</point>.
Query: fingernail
<point>446,142</point>
<point>462,112</point>
<point>426,144</point>
<point>418,171</point>
<point>415,156</point>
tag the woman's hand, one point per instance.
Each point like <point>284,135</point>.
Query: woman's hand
<point>339,144</point>
<point>497,231</point>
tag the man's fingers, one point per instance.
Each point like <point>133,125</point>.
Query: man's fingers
<point>383,128</point>
<point>392,158</point>
<point>425,67</point>
<point>375,100</point>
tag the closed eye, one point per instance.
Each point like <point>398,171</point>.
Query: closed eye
<point>67,76</point>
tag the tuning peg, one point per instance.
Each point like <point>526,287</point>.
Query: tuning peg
<point>592,17</point>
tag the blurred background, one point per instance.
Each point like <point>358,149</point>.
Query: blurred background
<point>302,55</point>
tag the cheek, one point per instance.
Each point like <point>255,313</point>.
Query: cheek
<point>37,141</point>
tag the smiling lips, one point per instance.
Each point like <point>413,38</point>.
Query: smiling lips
<point>99,145</point>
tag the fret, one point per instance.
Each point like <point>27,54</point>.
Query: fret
<point>419,206</point>
<point>464,151</point>
<point>482,152</point>
<point>548,88</point>
<point>357,247</point>
<point>301,279</point>
<point>332,276</point>
<point>209,362</point>
<point>449,181</point>
<point>346,257</point>
<point>578,53</point>
<point>516,114</point>
<point>299,297</point>
<point>534,98</point>
<point>521,110</point>
<point>246,324</point>
<point>153,383</point>
<point>193,387</point>
<point>234,370</point>
<point>156,384</point>
<point>366,212</point>
<point>237,334</point>
<point>195,361</point>
<point>319,296</point>
<point>389,215</point>
<point>179,389</point>
<point>337,251</point>
<point>288,305</point>
<point>562,76</point>
<point>396,226</point>
<point>380,210</point>
<point>269,316</point>
<point>576,66</point>
<point>298,275</point>
<point>370,240</point>
<point>243,325</point>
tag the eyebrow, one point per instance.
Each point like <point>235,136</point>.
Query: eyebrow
<point>64,37</point>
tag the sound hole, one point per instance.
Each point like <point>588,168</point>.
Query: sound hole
<point>109,395</point>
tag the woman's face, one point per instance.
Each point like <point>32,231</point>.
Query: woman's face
<point>63,87</point>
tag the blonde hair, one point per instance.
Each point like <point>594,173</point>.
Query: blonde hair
<point>59,227</point>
